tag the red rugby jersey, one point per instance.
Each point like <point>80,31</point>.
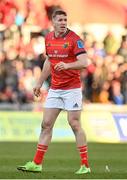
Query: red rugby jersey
<point>64,49</point>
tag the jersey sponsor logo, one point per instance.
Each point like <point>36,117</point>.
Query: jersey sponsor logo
<point>55,51</point>
<point>58,55</point>
<point>61,44</point>
<point>80,44</point>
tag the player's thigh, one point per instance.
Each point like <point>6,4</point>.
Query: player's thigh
<point>53,100</point>
<point>73,100</point>
<point>49,117</point>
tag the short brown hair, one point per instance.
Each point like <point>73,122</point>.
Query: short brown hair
<point>58,12</point>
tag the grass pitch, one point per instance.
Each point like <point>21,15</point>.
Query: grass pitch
<point>62,160</point>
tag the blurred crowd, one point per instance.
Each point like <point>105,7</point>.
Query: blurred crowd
<point>22,57</point>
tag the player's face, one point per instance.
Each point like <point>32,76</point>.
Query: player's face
<point>60,23</point>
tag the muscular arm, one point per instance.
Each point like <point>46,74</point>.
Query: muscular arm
<point>82,62</point>
<point>45,72</point>
<point>44,75</point>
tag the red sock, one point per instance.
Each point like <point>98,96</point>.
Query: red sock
<point>41,150</point>
<point>83,155</point>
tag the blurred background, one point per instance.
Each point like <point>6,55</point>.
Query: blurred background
<point>102,24</point>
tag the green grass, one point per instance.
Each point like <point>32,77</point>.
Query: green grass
<point>62,160</point>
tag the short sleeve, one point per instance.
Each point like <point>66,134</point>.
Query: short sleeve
<point>78,45</point>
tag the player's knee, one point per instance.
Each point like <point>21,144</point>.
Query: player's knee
<point>46,125</point>
<point>75,125</point>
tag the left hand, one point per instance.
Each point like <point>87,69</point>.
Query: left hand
<point>61,66</point>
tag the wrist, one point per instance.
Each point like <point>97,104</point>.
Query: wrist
<point>68,66</point>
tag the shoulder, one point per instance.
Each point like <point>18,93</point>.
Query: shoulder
<point>74,35</point>
<point>76,39</point>
<point>78,43</point>
<point>49,35</point>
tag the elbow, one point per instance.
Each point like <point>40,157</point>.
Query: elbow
<point>87,63</point>
<point>84,65</point>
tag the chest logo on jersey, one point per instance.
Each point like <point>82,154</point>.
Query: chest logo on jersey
<point>48,44</point>
<point>65,45</point>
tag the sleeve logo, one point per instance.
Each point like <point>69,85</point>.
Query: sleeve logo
<point>80,44</point>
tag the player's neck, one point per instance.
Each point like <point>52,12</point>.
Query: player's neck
<point>60,34</point>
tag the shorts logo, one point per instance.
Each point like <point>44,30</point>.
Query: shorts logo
<point>80,44</point>
<point>75,105</point>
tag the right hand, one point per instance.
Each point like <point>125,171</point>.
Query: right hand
<point>37,91</point>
